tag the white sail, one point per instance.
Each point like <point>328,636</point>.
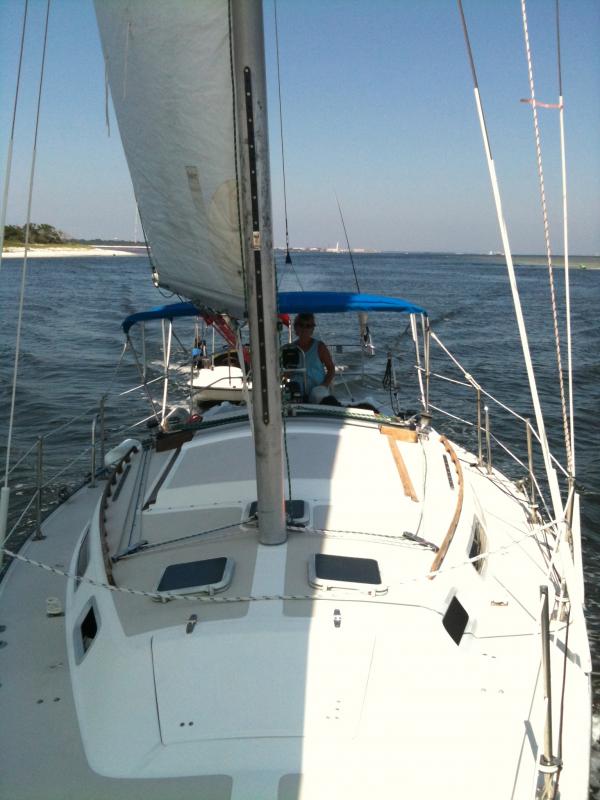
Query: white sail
<point>170,73</point>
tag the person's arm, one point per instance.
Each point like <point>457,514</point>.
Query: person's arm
<point>327,362</point>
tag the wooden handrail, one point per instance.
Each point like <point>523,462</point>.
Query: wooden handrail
<point>441,554</point>
<point>393,436</point>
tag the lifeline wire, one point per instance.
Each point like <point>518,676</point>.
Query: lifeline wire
<point>24,268</point>
<point>247,598</point>
<point>12,136</point>
<point>538,149</point>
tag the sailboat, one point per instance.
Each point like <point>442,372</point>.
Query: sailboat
<point>284,601</point>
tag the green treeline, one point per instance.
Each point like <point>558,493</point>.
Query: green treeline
<point>38,234</point>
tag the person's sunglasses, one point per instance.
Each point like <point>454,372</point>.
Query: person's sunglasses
<point>304,325</point>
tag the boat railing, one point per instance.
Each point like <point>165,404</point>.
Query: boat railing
<point>37,493</point>
<point>471,383</point>
<point>533,487</point>
<point>487,441</point>
<point>549,764</point>
<point>34,462</point>
<point>483,431</point>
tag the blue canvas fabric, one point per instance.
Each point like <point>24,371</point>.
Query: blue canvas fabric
<point>170,311</point>
<point>293,303</point>
<point>337,302</point>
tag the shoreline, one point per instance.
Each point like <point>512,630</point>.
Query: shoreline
<point>66,252</point>
<point>577,262</point>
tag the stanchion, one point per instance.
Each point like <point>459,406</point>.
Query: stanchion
<point>488,440</point>
<point>4,498</point>
<point>39,477</point>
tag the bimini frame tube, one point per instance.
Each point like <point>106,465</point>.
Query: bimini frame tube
<point>167,360</point>
<point>415,337</point>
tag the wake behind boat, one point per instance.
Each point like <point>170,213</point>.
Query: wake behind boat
<point>286,600</point>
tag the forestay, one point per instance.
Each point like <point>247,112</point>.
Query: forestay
<point>170,73</point>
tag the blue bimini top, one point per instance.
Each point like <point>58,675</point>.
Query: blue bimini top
<point>293,303</point>
<point>337,302</point>
<point>161,312</point>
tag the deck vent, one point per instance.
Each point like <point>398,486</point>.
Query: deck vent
<point>194,577</point>
<point>329,571</point>
<point>455,620</point>
<point>478,545</point>
<point>87,631</point>
<point>83,559</point>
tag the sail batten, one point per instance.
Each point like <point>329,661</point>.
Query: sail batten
<point>169,68</point>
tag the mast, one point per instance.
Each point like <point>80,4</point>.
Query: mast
<point>248,61</point>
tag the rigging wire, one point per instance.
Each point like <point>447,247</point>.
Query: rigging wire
<point>154,271</point>
<point>551,474</point>
<point>217,598</point>
<point>347,243</point>
<point>538,148</point>
<point>288,258</point>
<point>365,333</point>
<point>24,267</point>
<point>389,381</point>
<point>12,134</point>
<point>561,117</point>
<point>106,97</point>
<point>287,468</point>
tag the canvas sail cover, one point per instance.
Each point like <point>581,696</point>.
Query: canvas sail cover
<point>170,74</point>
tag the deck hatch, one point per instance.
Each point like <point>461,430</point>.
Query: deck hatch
<point>209,575</point>
<point>327,571</point>
<point>455,620</point>
<point>246,684</point>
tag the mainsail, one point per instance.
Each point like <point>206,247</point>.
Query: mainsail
<point>170,70</point>
<point>189,88</point>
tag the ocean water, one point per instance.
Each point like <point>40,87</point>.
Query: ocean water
<point>72,341</point>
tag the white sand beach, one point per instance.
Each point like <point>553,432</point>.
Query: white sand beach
<point>37,251</point>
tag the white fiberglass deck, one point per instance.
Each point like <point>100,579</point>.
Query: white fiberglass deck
<point>362,694</point>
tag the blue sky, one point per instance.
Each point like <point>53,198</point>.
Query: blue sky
<point>378,108</point>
